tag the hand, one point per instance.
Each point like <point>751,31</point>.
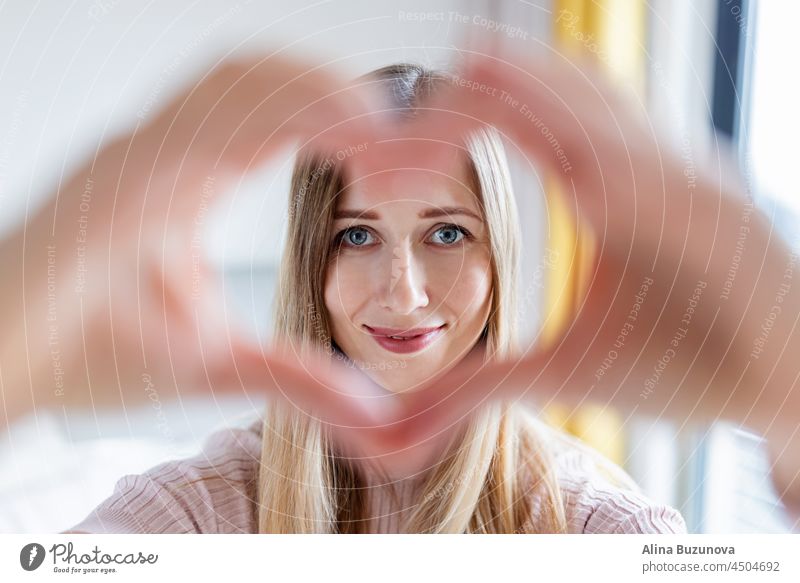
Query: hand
<point>662,329</point>
<point>132,297</point>
<point>229,122</point>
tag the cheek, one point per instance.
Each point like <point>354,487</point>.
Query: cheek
<point>343,289</point>
<point>464,285</point>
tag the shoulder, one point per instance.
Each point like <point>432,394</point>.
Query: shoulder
<point>211,492</point>
<point>599,496</point>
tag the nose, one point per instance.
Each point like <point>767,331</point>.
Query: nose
<point>404,288</point>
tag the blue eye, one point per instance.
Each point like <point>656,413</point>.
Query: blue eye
<point>353,237</point>
<point>451,234</point>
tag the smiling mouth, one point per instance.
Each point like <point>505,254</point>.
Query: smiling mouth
<point>404,341</point>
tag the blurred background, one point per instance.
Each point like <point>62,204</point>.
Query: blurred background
<point>73,74</point>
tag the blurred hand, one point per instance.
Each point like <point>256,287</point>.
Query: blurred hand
<point>662,330</point>
<point>229,122</point>
<point>108,294</point>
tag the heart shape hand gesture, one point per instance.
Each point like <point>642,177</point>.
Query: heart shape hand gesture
<point>661,234</point>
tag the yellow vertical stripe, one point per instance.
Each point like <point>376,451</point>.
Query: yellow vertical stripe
<point>560,285</point>
<point>619,26</point>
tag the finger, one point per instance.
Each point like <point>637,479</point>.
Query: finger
<point>253,107</point>
<point>451,396</point>
<point>312,383</point>
<point>554,110</point>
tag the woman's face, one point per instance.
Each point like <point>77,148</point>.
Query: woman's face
<point>411,258</point>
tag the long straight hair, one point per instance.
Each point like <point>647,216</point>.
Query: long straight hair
<point>490,468</point>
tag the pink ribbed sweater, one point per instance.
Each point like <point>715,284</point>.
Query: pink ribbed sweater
<point>599,497</point>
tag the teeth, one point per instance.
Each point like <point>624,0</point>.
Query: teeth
<point>397,337</point>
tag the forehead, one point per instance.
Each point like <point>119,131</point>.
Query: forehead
<point>413,189</point>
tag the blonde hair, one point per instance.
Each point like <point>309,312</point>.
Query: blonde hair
<point>484,481</point>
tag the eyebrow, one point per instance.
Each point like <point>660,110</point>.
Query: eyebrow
<point>425,214</point>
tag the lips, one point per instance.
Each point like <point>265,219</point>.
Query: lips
<point>400,332</point>
<point>404,340</point>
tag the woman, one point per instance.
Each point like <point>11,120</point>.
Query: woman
<point>402,287</point>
